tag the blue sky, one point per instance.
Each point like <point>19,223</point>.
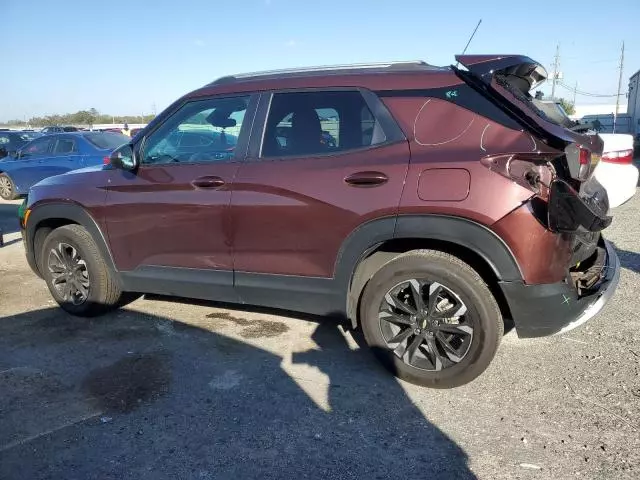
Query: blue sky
<point>122,57</point>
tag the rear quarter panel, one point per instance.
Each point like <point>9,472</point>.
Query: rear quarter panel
<point>446,139</point>
<point>455,145</point>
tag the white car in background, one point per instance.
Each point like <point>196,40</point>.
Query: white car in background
<point>616,171</point>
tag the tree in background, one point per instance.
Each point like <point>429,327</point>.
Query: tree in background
<point>82,117</point>
<point>569,107</point>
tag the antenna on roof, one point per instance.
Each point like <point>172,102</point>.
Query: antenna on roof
<point>470,38</point>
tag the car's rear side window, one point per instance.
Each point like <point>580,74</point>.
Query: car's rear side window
<point>319,122</point>
<point>64,146</point>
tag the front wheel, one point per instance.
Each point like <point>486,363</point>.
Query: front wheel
<point>7,188</point>
<point>77,275</point>
<point>431,319</point>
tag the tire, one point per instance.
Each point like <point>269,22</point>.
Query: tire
<point>100,289</point>
<point>466,309</point>
<point>7,188</point>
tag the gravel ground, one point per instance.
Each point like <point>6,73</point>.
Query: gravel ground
<point>168,389</point>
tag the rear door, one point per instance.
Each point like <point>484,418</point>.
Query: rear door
<point>65,156</point>
<point>321,163</point>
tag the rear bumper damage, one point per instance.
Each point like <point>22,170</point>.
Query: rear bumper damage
<point>542,310</point>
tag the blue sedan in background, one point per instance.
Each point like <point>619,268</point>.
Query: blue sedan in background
<point>53,155</point>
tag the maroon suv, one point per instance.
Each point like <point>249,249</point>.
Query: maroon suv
<point>427,204</point>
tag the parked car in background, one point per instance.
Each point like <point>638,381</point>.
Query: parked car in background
<point>57,129</point>
<point>616,171</point>
<point>422,231</point>
<point>12,140</point>
<point>52,155</point>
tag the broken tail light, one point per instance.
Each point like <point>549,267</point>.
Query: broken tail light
<point>533,172</point>
<point>568,210</point>
<point>581,161</point>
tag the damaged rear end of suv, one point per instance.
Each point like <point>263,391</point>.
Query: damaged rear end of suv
<point>425,204</point>
<point>566,213</point>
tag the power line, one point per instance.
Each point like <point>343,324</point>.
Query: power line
<point>586,94</point>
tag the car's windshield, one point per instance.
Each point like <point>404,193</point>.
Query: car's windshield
<point>106,140</point>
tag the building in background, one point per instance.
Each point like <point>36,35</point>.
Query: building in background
<point>597,109</point>
<point>633,104</point>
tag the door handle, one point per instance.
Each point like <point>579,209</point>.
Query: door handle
<point>366,179</point>
<point>208,182</point>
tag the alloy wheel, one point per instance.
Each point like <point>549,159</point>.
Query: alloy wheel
<point>6,190</point>
<point>69,274</point>
<point>425,324</point>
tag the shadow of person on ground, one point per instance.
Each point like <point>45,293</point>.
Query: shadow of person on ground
<point>8,223</point>
<point>9,218</point>
<point>139,396</point>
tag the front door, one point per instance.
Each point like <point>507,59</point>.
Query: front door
<point>168,222</point>
<point>326,165</point>
<point>27,170</point>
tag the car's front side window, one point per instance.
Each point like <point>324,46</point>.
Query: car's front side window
<point>37,147</point>
<point>201,131</point>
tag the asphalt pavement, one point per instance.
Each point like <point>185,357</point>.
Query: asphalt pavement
<point>177,389</point>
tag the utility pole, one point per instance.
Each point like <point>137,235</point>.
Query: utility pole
<point>555,72</point>
<point>615,119</point>
<point>575,91</point>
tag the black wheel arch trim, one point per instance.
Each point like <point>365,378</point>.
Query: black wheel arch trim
<point>369,236</point>
<point>74,214</point>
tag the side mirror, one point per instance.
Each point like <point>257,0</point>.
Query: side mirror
<point>124,158</point>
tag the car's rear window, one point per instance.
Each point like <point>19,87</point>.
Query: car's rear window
<point>107,140</point>
<point>507,83</point>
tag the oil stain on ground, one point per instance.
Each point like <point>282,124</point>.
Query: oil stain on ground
<point>125,385</point>
<point>253,328</point>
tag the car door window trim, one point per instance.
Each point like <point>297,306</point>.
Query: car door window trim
<point>243,136</point>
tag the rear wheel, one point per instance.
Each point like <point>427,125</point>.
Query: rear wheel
<point>7,188</point>
<point>77,275</point>
<point>431,319</point>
